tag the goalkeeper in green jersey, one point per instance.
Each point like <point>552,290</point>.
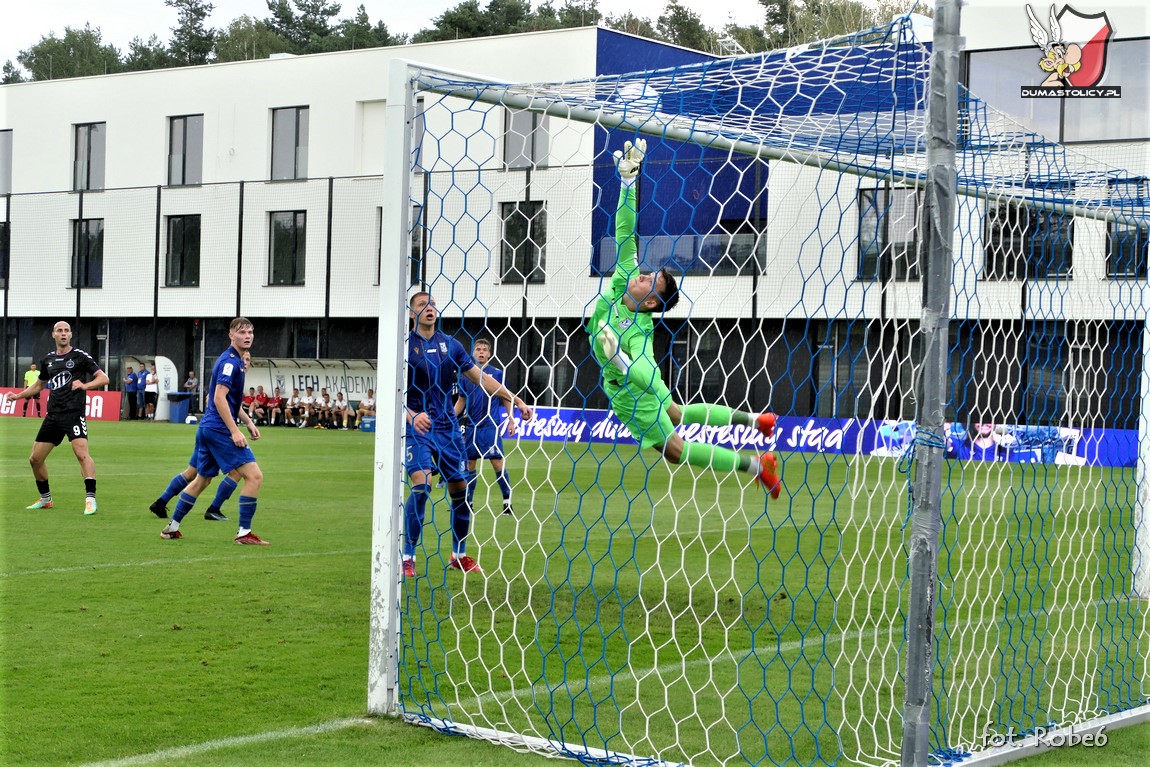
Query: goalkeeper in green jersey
<point>621,329</point>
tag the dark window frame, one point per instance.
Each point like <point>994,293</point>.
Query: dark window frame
<point>182,268</point>
<point>190,130</point>
<point>523,256</point>
<point>879,259</point>
<point>5,251</point>
<point>87,253</point>
<point>299,134</point>
<point>1023,246</point>
<point>296,239</point>
<point>524,150</point>
<point>7,138</point>
<point>89,156</point>
<point>1128,246</point>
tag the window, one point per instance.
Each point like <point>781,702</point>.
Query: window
<point>5,239</point>
<point>996,76</point>
<point>891,242</point>
<point>88,165</point>
<point>5,162</point>
<point>417,235</point>
<point>524,236</point>
<point>1023,243</point>
<point>1110,119</point>
<point>1044,392</point>
<point>525,140</point>
<point>288,247</point>
<point>183,251</point>
<point>186,150</point>
<point>739,247</point>
<point>87,253</point>
<point>1126,244</point>
<point>842,372</point>
<point>696,364</point>
<point>418,129</point>
<point>289,143</point>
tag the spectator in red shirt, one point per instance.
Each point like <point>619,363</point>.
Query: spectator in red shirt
<point>274,407</point>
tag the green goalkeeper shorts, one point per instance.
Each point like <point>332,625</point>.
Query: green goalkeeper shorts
<point>642,411</point>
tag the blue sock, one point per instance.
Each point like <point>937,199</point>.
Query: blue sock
<point>414,509</point>
<point>183,506</point>
<point>177,484</point>
<point>247,511</point>
<point>224,491</point>
<point>460,523</point>
<point>504,484</point>
<point>472,481</point>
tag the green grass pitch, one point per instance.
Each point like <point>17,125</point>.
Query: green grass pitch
<point>121,648</point>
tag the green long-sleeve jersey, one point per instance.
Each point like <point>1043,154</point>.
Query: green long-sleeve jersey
<point>634,329</point>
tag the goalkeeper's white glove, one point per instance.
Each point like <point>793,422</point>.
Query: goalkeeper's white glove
<point>629,161</point>
<point>610,345</point>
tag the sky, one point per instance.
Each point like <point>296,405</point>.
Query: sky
<point>121,20</point>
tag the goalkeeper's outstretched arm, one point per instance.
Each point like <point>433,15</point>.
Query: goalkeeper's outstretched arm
<point>629,163</point>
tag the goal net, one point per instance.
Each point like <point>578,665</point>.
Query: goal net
<point>630,610</point>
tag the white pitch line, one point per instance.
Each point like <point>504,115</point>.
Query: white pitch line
<point>154,562</point>
<point>240,740</point>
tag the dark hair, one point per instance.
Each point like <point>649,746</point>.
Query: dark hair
<point>238,323</point>
<point>485,342</point>
<point>670,294</point>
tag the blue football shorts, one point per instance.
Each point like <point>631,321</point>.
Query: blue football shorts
<point>439,449</point>
<point>215,452</point>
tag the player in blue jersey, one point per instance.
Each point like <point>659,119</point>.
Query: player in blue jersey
<point>68,373</point>
<point>481,430</point>
<point>228,486</point>
<point>436,362</point>
<point>220,445</point>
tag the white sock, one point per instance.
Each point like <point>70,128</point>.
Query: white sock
<point>243,531</point>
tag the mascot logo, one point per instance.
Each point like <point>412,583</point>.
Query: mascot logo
<point>1073,48</point>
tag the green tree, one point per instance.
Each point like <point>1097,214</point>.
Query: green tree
<point>780,19</point>
<point>192,42</point>
<point>501,17</point>
<point>684,27</point>
<point>304,23</point>
<point>314,18</point>
<point>793,22</point>
<point>148,54</point>
<point>284,23</point>
<point>79,53</point>
<point>751,39</point>
<point>634,25</point>
<point>355,33</point>
<point>12,74</point>
<point>246,38</point>
<point>579,14</point>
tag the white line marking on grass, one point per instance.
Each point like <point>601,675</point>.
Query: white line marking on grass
<point>240,740</point>
<point>154,562</point>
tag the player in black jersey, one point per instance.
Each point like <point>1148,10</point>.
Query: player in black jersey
<point>68,373</point>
